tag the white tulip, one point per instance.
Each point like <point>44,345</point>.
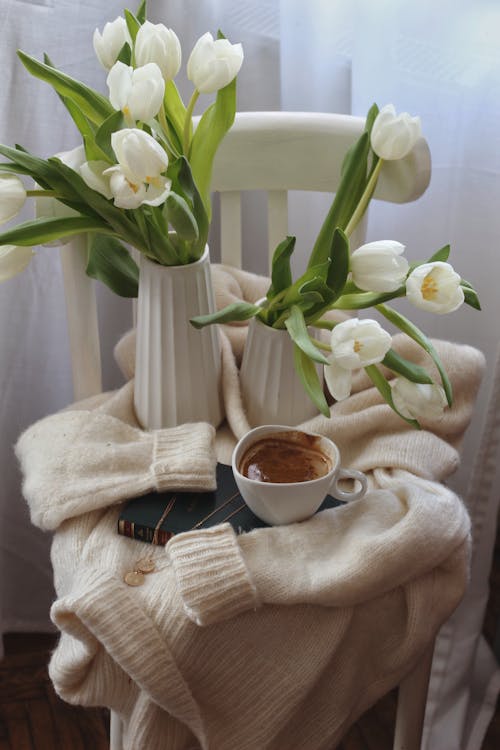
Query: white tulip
<point>13,260</point>
<point>354,343</point>
<point>379,266</point>
<point>213,64</point>
<point>414,400</point>
<point>92,173</point>
<point>12,196</point>
<point>107,45</point>
<point>435,287</point>
<point>155,43</point>
<point>393,136</point>
<point>73,158</point>
<point>141,158</point>
<point>129,194</point>
<point>137,93</point>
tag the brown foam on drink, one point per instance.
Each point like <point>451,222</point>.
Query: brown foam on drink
<point>290,456</point>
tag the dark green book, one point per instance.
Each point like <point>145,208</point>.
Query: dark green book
<point>157,516</point>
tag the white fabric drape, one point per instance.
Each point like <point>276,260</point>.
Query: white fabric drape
<point>438,60</point>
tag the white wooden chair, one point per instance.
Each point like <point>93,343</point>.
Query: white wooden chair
<point>273,152</point>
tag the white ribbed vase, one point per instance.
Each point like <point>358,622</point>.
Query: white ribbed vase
<point>272,391</point>
<point>178,368</point>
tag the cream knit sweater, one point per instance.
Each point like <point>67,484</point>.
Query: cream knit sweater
<point>272,640</point>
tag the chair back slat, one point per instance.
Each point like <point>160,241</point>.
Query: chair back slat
<point>277,219</point>
<point>230,228</point>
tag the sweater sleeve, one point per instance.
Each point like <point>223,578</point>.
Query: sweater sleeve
<point>339,557</point>
<point>78,461</point>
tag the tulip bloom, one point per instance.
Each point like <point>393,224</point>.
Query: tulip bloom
<point>138,177</point>
<point>155,43</point>
<point>354,343</point>
<point>379,266</point>
<point>213,64</point>
<point>107,45</point>
<point>12,196</point>
<point>13,260</point>
<point>137,93</point>
<point>393,136</point>
<point>138,154</point>
<point>435,287</point>
<point>414,400</point>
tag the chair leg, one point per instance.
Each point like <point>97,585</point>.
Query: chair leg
<point>115,732</point>
<point>412,697</point>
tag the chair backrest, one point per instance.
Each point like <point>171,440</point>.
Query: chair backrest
<point>275,152</point>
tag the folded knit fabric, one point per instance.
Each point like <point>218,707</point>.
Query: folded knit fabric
<point>272,640</point>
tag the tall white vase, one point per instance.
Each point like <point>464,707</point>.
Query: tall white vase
<point>272,391</point>
<point>178,368</point>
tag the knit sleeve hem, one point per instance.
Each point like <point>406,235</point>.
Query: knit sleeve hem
<point>184,457</point>
<point>211,575</point>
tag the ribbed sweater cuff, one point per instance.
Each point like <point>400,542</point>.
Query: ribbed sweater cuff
<point>212,578</point>
<point>184,457</point>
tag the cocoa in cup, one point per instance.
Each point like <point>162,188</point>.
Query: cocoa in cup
<point>284,474</point>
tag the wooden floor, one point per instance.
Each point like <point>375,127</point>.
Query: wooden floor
<point>32,717</point>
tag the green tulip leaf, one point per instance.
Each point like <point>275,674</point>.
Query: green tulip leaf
<point>339,266</point>
<point>362,300</point>
<point>41,170</point>
<point>237,311</point>
<point>406,368</point>
<point>92,104</point>
<point>306,371</point>
<point>125,54</point>
<point>416,334</point>
<point>103,136</point>
<point>212,127</point>
<point>110,262</point>
<point>141,12</point>
<point>281,273</point>
<point>133,24</point>
<point>441,255</point>
<point>384,389</point>
<point>181,217</point>
<point>175,112</point>
<point>183,183</point>
<point>297,329</point>
<point>470,295</point>
<point>40,231</point>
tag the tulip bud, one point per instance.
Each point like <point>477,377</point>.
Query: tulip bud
<point>12,196</point>
<point>157,44</point>
<point>379,266</point>
<point>354,344</point>
<point>414,400</point>
<point>107,45</point>
<point>435,287</point>
<point>393,136</point>
<point>213,64</point>
<point>13,260</point>
<point>137,93</point>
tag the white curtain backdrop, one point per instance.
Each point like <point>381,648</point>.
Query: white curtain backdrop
<point>438,60</point>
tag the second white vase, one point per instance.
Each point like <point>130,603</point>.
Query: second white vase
<point>272,391</point>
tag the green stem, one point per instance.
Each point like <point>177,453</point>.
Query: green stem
<point>187,121</point>
<point>364,200</point>
<point>329,325</point>
<point>321,345</point>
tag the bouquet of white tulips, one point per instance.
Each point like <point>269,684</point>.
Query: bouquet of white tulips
<point>141,175</point>
<point>368,277</point>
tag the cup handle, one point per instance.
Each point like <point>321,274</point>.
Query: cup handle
<point>349,474</point>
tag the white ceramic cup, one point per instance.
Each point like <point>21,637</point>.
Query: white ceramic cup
<point>288,502</point>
